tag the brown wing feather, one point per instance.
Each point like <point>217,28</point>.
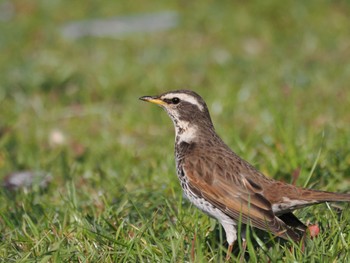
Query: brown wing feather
<point>230,192</point>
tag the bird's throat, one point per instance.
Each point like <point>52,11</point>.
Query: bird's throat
<point>185,132</point>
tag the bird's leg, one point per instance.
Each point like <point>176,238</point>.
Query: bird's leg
<point>244,242</point>
<point>193,246</point>
<point>231,234</point>
<point>302,240</point>
<point>244,246</point>
<point>229,251</point>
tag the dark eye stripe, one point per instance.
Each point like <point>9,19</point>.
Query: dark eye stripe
<point>172,101</point>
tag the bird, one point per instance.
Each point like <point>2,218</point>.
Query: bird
<point>225,186</point>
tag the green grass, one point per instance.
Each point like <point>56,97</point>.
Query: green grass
<point>275,75</point>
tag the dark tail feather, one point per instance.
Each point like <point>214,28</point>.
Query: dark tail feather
<point>281,229</point>
<point>292,221</point>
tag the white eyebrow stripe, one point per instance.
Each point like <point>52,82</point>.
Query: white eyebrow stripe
<point>184,97</point>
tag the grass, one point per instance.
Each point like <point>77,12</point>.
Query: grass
<point>275,76</point>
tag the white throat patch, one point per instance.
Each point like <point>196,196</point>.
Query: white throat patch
<point>186,132</point>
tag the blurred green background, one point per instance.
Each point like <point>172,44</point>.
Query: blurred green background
<point>275,75</point>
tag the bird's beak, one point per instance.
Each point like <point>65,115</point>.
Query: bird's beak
<point>154,100</point>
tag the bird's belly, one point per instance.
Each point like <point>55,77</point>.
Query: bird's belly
<point>200,202</point>
<point>206,207</point>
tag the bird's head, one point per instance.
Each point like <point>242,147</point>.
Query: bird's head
<point>187,110</point>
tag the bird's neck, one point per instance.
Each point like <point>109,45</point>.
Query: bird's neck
<point>185,132</point>
<point>192,133</point>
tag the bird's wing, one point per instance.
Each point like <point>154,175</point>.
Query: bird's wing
<point>233,194</point>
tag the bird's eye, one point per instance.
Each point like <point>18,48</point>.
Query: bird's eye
<point>175,100</point>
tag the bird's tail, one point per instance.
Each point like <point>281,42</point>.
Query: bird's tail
<point>296,198</point>
<point>285,231</point>
<point>323,196</point>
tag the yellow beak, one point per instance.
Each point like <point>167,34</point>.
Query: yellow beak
<point>154,100</point>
